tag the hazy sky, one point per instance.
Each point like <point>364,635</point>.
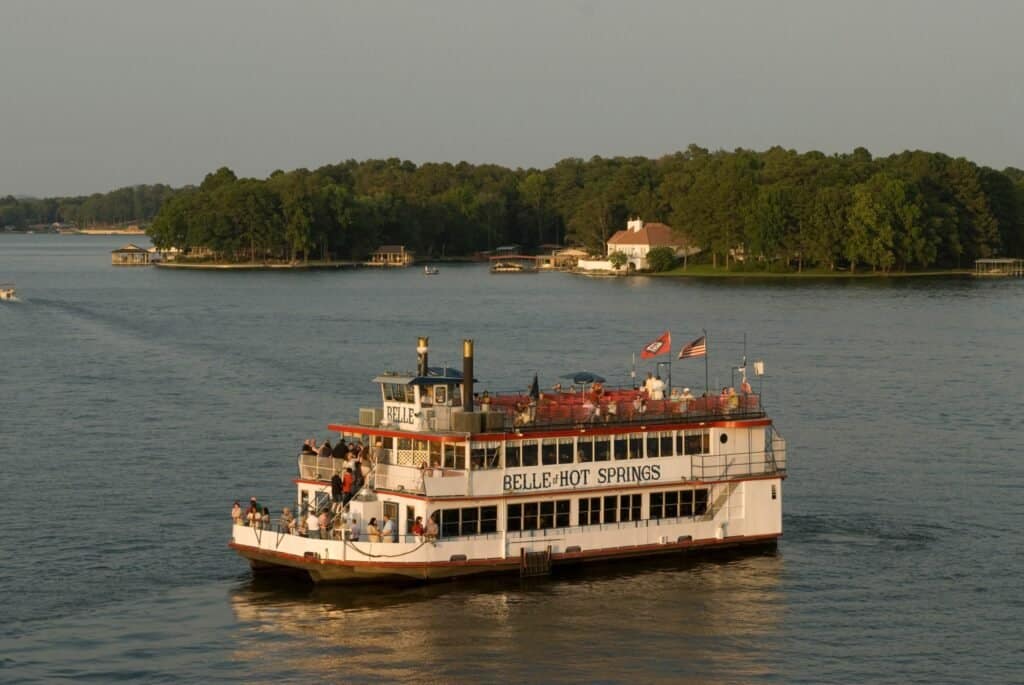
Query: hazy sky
<point>97,94</point>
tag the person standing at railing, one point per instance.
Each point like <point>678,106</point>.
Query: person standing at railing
<point>346,486</point>
<point>336,488</point>
<point>388,532</point>
<point>357,475</point>
<point>431,531</point>
<point>287,521</point>
<point>417,529</point>
<point>311,524</point>
<point>236,513</point>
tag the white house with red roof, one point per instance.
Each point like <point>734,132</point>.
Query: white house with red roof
<point>636,241</point>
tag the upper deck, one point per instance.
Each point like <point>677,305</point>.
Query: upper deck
<point>552,411</point>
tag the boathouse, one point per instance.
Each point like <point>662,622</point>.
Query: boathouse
<point>130,255</point>
<point>999,267</point>
<point>391,255</point>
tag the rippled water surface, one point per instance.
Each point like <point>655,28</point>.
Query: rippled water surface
<point>136,404</point>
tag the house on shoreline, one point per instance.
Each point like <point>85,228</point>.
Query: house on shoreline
<point>635,241</point>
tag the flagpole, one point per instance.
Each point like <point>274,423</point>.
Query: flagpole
<point>707,382</point>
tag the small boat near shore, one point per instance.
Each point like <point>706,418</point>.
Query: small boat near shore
<point>8,292</point>
<point>441,482</point>
<point>431,271</point>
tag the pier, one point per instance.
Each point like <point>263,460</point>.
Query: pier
<point>999,267</point>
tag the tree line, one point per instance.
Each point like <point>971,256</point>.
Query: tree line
<point>775,210</point>
<point>138,203</point>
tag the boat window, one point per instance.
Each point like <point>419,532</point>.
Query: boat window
<point>636,446</point>
<point>685,502</point>
<point>531,510</point>
<point>672,504</point>
<point>549,452</point>
<point>449,523</point>
<point>652,444</point>
<point>440,394</point>
<point>590,511</point>
<point>611,505</point>
<point>410,394</point>
<point>694,442</point>
<point>513,454</point>
<point>585,447</point>
<point>657,506</point>
<point>488,519</point>
<point>621,447</point>
<point>547,515</point>
<point>470,521</point>
<point>629,507</point>
<point>484,455</point>
<point>562,513</point>
<point>602,449</point>
<point>455,455</point>
<point>515,517</point>
<point>665,443</point>
<point>529,452</point>
<point>700,502</point>
<point>410,518</point>
<point>565,451</point>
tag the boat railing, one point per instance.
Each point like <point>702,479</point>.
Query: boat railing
<point>617,406</point>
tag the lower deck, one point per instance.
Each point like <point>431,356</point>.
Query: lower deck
<point>628,523</point>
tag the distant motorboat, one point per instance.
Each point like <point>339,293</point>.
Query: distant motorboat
<point>7,292</point>
<point>431,271</point>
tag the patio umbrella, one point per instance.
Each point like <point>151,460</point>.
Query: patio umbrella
<point>584,377</point>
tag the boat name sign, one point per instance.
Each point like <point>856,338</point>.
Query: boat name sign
<point>575,478</point>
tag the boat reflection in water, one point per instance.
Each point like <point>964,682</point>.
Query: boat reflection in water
<point>670,619</point>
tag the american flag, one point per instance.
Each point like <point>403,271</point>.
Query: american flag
<point>698,348</point>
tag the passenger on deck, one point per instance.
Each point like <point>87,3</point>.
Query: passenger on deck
<point>353,528</point>
<point>252,514</point>
<point>312,524</point>
<point>323,522</point>
<point>647,384</point>
<point>342,450</point>
<point>485,401</point>
<point>346,486</point>
<point>325,449</point>
<point>287,521</point>
<point>372,531</point>
<point>357,475</point>
<point>658,389</point>
<point>745,387</point>
<point>417,528</point>
<point>265,519</point>
<point>687,395</point>
<point>236,513</point>
<point>611,411</point>
<point>596,392</point>
<point>430,533</point>
<point>336,492</point>
<point>388,532</point>
<point>307,446</point>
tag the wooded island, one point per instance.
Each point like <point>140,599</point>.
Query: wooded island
<point>778,210</point>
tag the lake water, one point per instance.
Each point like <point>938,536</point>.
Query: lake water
<point>136,404</point>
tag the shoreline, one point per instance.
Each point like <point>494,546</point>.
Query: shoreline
<point>256,266</point>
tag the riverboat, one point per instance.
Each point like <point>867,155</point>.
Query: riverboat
<point>7,292</point>
<point>524,483</point>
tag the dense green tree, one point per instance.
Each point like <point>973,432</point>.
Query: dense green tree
<point>661,259</point>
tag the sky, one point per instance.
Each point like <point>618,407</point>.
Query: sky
<point>99,94</point>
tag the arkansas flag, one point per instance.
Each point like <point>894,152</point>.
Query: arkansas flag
<point>661,345</point>
<point>698,348</point>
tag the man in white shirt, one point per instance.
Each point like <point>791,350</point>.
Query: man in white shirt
<point>387,533</point>
<point>312,524</point>
<point>657,388</point>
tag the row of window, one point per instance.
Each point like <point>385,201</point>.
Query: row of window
<point>605,448</point>
<point>553,451</point>
<point>555,513</point>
